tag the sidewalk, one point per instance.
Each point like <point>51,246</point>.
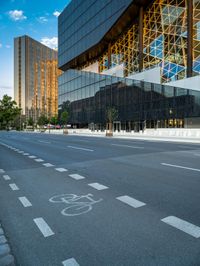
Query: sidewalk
<point>171,135</point>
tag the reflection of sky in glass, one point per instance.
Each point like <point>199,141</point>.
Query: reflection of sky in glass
<point>170,69</point>
<point>196,65</point>
<point>170,14</point>
<point>156,47</point>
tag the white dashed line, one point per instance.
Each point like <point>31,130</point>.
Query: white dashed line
<point>48,164</point>
<point>131,201</point>
<point>32,157</point>
<point>25,202</point>
<point>77,177</point>
<point>127,146</point>
<point>39,160</point>
<point>13,186</point>
<point>70,262</point>
<point>79,148</point>
<point>197,154</point>
<point>20,151</point>
<point>182,225</point>
<point>97,186</point>
<point>61,169</point>
<point>42,141</point>
<point>25,153</point>
<point>43,227</point>
<point>2,171</point>
<point>182,167</point>
<point>6,177</point>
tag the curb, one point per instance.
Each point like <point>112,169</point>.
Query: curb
<point>6,258</point>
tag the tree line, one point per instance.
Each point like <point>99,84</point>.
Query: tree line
<point>10,116</point>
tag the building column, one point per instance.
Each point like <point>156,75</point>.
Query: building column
<point>189,37</point>
<point>109,55</point>
<point>141,16</point>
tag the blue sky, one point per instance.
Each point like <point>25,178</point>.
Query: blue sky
<point>36,18</point>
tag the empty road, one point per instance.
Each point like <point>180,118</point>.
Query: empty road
<point>75,200</point>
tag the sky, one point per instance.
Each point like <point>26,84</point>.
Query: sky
<point>35,18</point>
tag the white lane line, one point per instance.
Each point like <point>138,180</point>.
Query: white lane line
<point>182,225</point>
<point>20,151</point>
<point>70,262</point>
<point>13,186</point>
<point>97,186</point>
<point>127,146</point>
<point>48,164</point>
<point>6,177</point>
<point>43,141</point>
<point>131,201</point>
<point>43,227</point>
<point>25,153</point>
<point>182,167</point>
<point>25,202</point>
<point>2,171</point>
<point>32,157</point>
<point>77,176</point>
<point>61,169</point>
<point>79,148</point>
<point>197,154</point>
<point>39,160</point>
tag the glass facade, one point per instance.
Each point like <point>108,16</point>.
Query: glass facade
<point>163,34</point>
<point>84,23</point>
<point>164,41</point>
<point>35,78</point>
<point>139,104</point>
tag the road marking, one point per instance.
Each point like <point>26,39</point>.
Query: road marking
<point>182,167</point>
<point>185,147</point>
<point>32,156</point>
<point>20,151</point>
<point>6,177</point>
<point>127,146</point>
<point>13,186</point>
<point>43,227</point>
<point>25,202</point>
<point>2,171</point>
<point>39,160</point>
<point>77,176</point>
<point>97,186</point>
<point>48,164</point>
<point>25,153</point>
<point>70,262</point>
<point>61,169</point>
<point>43,141</point>
<point>78,148</point>
<point>197,154</point>
<point>182,225</point>
<point>131,201</point>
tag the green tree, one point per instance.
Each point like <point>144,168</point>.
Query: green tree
<point>30,121</point>
<point>64,117</point>
<point>8,111</point>
<point>54,120</point>
<point>111,115</point>
<point>42,120</point>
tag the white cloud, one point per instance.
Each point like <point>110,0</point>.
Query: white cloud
<point>42,19</point>
<point>8,46</point>
<point>56,13</point>
<point>50,42</point>
<point>17,15</point>
<point>0,45</point>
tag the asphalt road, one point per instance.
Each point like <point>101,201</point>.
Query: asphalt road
<point>120,202</point>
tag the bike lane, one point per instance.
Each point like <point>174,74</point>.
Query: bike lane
<point>111,233</point>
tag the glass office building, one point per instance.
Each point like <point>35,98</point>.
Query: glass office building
<point>98,37</point>
<point>35,78</point>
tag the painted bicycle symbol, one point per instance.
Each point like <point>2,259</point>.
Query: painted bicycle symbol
<point>76,205</point>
